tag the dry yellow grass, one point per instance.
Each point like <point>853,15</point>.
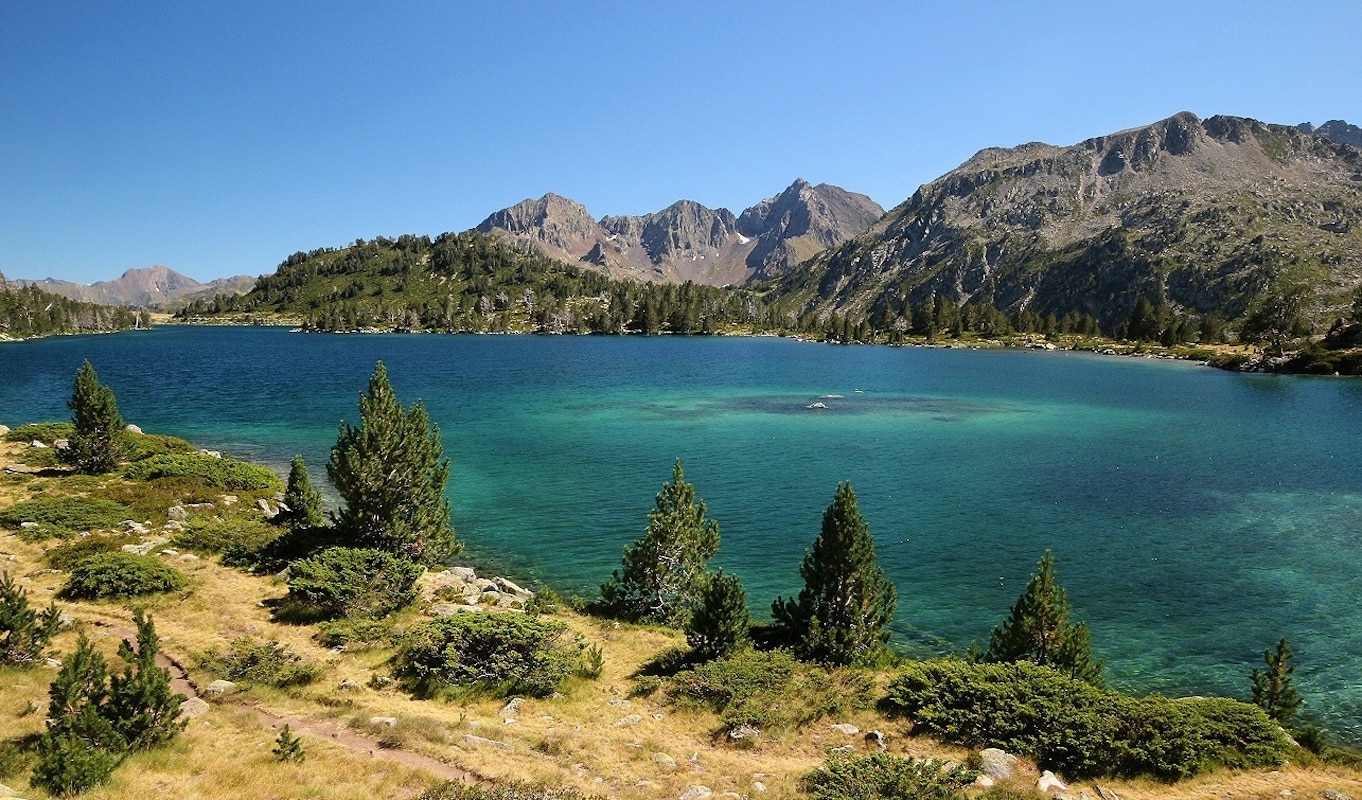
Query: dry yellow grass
<point>583,739</point>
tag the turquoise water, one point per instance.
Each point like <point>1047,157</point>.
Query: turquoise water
<point>1196,515</point>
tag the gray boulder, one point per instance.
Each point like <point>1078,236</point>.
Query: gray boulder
<point>997,764</point>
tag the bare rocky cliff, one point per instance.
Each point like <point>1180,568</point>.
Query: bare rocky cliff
<point>1200,214</point>
<point>689,242</point>
<point>147,287</point>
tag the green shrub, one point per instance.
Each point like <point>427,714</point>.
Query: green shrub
<point>149,445</point>
<point>592,662</point>
<point>354,632</point>
<point>851,777</point>
<point>212,535</point>
<point>544,601</point>
<point>1079,729</point>
<point>284,549</point>
<point>45,432</point>
<point>249,660</point>
<point>120,575</point>
<point>345,581</point>
<point>39,457</point>
<point>67,555</point>
<point>770,690</point>
<point>62,515</point>
<point>498,653</point>
<point>224,473</point>
<point>645,686</point>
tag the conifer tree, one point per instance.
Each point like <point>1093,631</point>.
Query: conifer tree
<point>1272,689</point>
<point>391,473</point>
<point>98,442</point>
<point>80,748</point>
<point>24,632</point>
<point>663,571</point>
<point>288,747</point>
<point>719,623</point>
<point>303,503</point>
<point>1038,629</point>
<point>142,707</point>
<point>842,613</point>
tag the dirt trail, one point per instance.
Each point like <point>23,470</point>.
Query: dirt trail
<point>329,730</point>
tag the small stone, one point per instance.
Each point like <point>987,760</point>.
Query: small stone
<point>383,722</point>
<point>193,707</point>
<point>844,728</point>
<point>264,505</point>
<point>229,499</point>
<point>509,710</point>
<point>188,557</point>
<point>28,525</point>
<point>626,721</point>
<point>846,748</point>
<point>219,688</point>
<point>52,663</point>
<point>878,739</point>
<point>39,445</point>
<point>983,781</point>
<point>168,553</point>
<point>1048,783</point>
<point>133,429</point>
<point>1330,794</point>
<point>466,573</point>
<point>664,760</point>
<point>696,792</point>
<point>211,453</point>
<point>758,787</point>
<point>625,704</point>
<point>450,609</point>
<point>350,685</point>
<point>506,586</point>
<point>744,732</point>
<point>997,764</point>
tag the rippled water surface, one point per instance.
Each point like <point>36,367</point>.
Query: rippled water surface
<point>1196,515</point>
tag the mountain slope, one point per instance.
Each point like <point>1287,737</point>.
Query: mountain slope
<point>28,311</point>
<point>1200,215</point>
<point>687,241</point>
<point>145,287</point>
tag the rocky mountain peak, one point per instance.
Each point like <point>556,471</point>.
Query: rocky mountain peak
<point>1337,130</point>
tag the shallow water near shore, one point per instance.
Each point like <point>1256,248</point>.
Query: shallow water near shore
<point>1196,515</point>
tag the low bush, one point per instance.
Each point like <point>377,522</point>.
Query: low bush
<point>213,535</point>
<point>67,555</point>
<point>149,445</point>
<point>498,653</point>
<point>285,548</point>
<point>224,473</point>
<point>770,690</point>
<point>62,515</point>
<point>1079,729</point>
<point>846,776</point>
<point>119,575</point>
<point>251,661</point>
<point>45,432</point>
<point>354,581</point>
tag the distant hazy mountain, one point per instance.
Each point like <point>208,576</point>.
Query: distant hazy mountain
<point>1199,214</point>
<point>687,241</point>
<point>143,288</point>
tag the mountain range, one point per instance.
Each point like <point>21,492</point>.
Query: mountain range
<point>687,241</point>
<point>1202,216</point>
<point>147,287</point>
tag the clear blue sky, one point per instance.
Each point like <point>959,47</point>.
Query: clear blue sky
<point>217,138</point>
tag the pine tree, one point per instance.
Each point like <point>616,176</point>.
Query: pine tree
<point>662,572</point>
<point>1272,689</point>
<point>391,473</point>
<point>842,613</point>
<point>303,503</point>
<point>719,623</point>
<point>80,748</point>
<point>142,707</point>
<point>24,632</point>
<point>1038,630</point>
<point>98,442</point>
<point>288,747</point>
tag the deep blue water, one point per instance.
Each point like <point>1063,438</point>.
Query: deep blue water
<point>1196,515</point>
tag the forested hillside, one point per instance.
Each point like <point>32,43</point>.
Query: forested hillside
<point>29,311</point>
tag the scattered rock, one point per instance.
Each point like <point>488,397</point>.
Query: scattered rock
<point>211,453</point>
<point>28,525</point>
<point>696,793</point>
<point>663,760</point>
<point>489,598</point>
<point>478,741</point>
<point>188,557</point>
<point>177,512</point>
<point>383,722</point>
<point>1047,783</point>
<point>37,444</point>
<point>218,688</point>
<point>878,739</point>
<point>619,704</point>
<point>846,748</point>
<point>450,609</point>
<point>5,791</point>
<point>174,526</point>
<point>506,586</point>
<point>997,764</point>
<point>983,781</point>
<point>844,728</point>
<point>4,429</point>
<point>229,499</point>
<point>350,685</point>
<point>168,553</point>
<point>744,732</point>
<point>193,707</point>
<point>758,787</point>
<point>61,444</point>
<point>51,663</point>
<point>631,719</point>
<point>133,429</point>
<point>509,710</point>
<point>1330,794</point>
<point>264,505</point>
<point>465,573</point>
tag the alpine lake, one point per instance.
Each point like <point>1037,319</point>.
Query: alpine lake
<point>1196,515</point>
